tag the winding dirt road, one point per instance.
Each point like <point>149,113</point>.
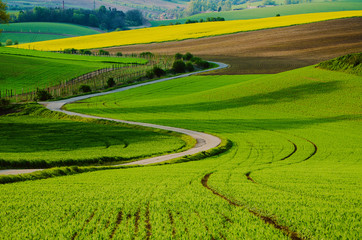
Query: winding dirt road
<point>204,141</point>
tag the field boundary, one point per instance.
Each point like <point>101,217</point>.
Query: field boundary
<point>206,142</point>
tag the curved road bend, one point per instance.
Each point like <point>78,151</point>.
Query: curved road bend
<point>204,141</point>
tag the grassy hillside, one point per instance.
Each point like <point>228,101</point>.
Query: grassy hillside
<point>351,63</point>
<point>25,70</point>
<point>181,32</point>
<point>272,11</point>
<point>36,137</point>
<point>38,31</point>
<point>295,161</point>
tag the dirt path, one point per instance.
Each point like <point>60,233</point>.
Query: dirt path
<point>204,141</point>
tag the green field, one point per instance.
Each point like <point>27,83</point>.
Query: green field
<point>25,70</point>
<point>272,11</point>
<point>42,31</point>
<point>36,137</point>
<point>295,159</point>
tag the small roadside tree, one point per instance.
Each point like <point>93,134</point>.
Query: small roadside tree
<point>110,82</point>
<point>9,42</point>
<point>179,66</point>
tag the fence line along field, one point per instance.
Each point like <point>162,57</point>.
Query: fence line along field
<point>24,71</point>
<point>287,166</point>
<point>181,32</point>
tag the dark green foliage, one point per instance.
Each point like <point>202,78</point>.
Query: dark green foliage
<point>85,89</point>
<point>195,59</point>
<point>119,54</point>
<point>70,51</point>
<point>351,63</point>
<point>190,21</point>
<point>146,54</point>
<point>215,19</point>
<point>158,71</point>
<point>278,15</point>
<point>42,95</point>
<point>150,74</point>
<point>103,52</point>
<point>190,67</point>
<point>179,66</point>
<point>85,52</point>
<point>188,56</point>
<point>103,17</point>
<point>9,42</point>
<point>16,42</point>
<point>111,82</point>
<point>202,64</point>
<point>178,56</point>
<point>4,103</point>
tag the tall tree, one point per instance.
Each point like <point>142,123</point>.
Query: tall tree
<point>4,17</point>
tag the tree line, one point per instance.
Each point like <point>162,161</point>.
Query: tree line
<point>106,19</point>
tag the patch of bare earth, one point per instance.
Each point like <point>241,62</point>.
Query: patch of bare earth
<point>271,50</point>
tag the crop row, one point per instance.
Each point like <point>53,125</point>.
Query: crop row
<point>181,32</point>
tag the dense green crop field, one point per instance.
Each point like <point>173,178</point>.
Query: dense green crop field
<point>295,160</point>
<point>36,137</point>
<point>41,31</point>
<point>25,70</point>
<point>272,11</point>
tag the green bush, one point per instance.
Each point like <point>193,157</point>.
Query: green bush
<point>178,56</point>
<point>42,95</point>
<point>158,71</point>
<point>146,54</point>
<point>103,52</point>
<point>85,89</point>
<point>4,103</point>
<point>70,51</point>
<point>190,67</point>
<point>9,42</point>
<point>187,57</point>
<point>85,52</point>
<point>119,54</point>
<point>203,64</point>
<point>111,82</point>
<point>179,66</point>
<point>16,42</point>
<point>150,74</point>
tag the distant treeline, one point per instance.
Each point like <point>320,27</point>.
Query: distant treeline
<point>106,19</point>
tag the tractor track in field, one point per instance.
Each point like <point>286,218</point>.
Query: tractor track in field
<point>205,141</point>
<point>285,229</point>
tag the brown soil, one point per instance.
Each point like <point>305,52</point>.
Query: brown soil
<point>270,50</point>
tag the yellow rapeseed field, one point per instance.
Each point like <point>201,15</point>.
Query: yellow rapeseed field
<point>181,32</point>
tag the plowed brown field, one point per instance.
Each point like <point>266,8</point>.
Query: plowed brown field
<point>271,50</point>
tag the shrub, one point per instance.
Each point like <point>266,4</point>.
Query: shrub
<point>278,15</point>
<point>150,74</point>
<point>119,54</point>
<point>4,103</point>
<point>42,95</point>
<point>158,71</point>
<point>16,42</point>
<point>85,52</point>
<point>85,88</point>
<point>103,52</point>
<point>111,82</point>
<point>195,59</point>
<point>179,66</point>
<point>70,51</point>
<point>9,42</point>
<point>190,67</point>
<point>1,44</point>
<point>202,64</point>
<point>187,56</point>
<point>178,56</point>
<point>146,54</point>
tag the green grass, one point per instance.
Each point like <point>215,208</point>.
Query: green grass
<point>36,137</point>
<point>42,31</point>
<point>296,133</point>
<point>351,63</point>
<point>272,11</point>
<point>25,70</point>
